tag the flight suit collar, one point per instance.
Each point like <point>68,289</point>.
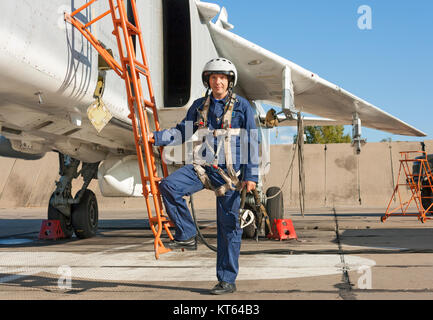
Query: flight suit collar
<point>224,100</point>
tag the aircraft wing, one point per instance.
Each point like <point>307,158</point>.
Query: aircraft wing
<point>308,121</point>
<point>261,78</point>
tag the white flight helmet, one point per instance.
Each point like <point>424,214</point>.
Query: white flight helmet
<point>220,66</point>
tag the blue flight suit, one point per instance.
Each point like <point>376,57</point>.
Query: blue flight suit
<point>184,182</point>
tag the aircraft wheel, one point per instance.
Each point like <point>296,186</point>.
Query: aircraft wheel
<point>426,202</point>
<point>85,216</point>
<point>274,206</point>
<point>65,222</point>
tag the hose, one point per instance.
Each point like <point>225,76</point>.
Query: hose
<point>200,235</point>
<point>300,144</point>
<point>213,248</point>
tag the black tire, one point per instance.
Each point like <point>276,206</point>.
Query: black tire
<point>85,216</point>
<point>65,222</point>
<point>426,202</point>
<point>274,206</point>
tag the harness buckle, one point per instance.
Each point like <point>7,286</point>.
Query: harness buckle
<point>246,218</point>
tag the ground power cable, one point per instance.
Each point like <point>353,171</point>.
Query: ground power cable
<point>392,169</point>
<point>287,174</point>
<point>325,182</point>
<point>358,178</point>
<point>300,144</point>
<point>346,284</point>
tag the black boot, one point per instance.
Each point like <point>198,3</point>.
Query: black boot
<point>223,287</point>
<point>190,244</point>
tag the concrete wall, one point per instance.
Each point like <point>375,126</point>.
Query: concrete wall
<point>337,177</point>
<point>30,183</point>
<point>334,177</point>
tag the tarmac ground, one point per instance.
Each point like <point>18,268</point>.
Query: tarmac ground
<point>339,254</point>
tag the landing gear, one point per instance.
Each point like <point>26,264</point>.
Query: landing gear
<point>78,214</point>
<point>85,216</point>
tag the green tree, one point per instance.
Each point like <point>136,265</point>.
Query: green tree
<point>327,134</point>
<point>386,140</point>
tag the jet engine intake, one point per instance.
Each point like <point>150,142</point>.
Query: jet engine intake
<point>16,149</point>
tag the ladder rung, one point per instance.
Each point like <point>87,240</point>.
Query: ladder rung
<point>141,70</point>
<point>130,116</point>
<point>148,104</point>
<point>98,18</point>
<point>154,220</point>
<point>129,26</point>
<point>140,143</point>
<point>139,66</point>
<point>157,179</point>
<point>138,63</point>
<point>132,28</point>
<point>82,8</point>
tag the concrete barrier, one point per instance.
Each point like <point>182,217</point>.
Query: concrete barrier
<point>334,176</point>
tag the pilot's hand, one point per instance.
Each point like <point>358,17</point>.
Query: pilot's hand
<point>250,185</point>
<point>150,136</point>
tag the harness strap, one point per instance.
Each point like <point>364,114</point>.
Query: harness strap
<point>204,178</point>
<point>227,125</point>
<point>231,177</point>
<point>203,113</point>
<point>227,119</point>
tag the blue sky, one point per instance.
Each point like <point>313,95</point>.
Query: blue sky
<point>390,66</point>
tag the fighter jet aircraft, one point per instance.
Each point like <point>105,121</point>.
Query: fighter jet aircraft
<point>51,79</point>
